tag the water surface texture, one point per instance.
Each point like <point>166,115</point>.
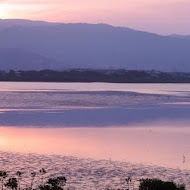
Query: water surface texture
<point>141,125</point>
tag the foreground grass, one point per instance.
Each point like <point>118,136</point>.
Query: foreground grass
<point>58,183</point>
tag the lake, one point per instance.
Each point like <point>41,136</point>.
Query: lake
<point>140,124</point>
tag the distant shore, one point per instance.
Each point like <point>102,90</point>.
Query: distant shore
<point>95,75</point>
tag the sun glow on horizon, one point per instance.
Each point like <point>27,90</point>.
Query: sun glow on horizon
<point>4,12</point>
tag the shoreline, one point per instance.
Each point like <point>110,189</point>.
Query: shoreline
<point>95,75</point>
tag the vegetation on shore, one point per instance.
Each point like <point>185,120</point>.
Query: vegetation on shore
<point>157,184</point>
<point>38,182</point>
<point>15,182</point>
<point>93,75</point>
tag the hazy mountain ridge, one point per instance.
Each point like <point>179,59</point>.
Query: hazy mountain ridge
<point>25,60</point>
<point>92,46</point>
<point>180,36</point>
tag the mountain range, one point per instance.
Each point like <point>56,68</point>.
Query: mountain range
<point>37,45</point>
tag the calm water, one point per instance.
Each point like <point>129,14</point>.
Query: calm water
<point>137,123</point>
<point>181,89</point>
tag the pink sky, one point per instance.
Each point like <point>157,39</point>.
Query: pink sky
<point>159,16</point>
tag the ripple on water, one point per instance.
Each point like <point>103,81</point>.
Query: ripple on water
<point>88,173</point>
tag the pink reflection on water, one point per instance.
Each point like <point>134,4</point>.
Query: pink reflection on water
<point>166,89</point>
<point>157,146</point>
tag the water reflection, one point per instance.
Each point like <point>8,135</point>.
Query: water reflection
<point>130,115</point>
<point>178,89</point>
<point>157,146</point>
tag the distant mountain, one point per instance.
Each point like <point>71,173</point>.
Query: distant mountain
<point>180,36</point>
<point>102,46</point>
<point>17,59</point>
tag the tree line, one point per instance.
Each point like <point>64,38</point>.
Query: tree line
<point>90,75</point>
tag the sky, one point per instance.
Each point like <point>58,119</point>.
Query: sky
<point>157,16</point>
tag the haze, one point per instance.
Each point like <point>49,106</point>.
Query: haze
<point>158,16</point>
